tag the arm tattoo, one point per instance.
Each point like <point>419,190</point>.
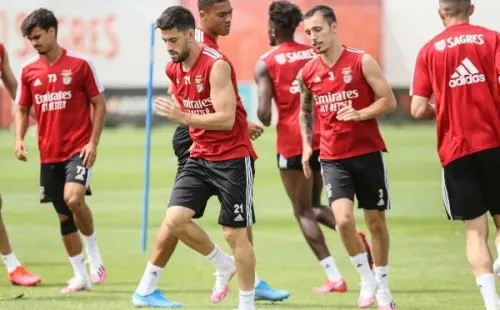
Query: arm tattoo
<point>306,112</point>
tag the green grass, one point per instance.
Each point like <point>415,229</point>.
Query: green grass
<point>428,265</point>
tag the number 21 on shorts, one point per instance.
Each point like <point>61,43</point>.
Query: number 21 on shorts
<point>238,208</point>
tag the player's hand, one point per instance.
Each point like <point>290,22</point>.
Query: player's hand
<point>89,154</point>
<point>306,155</point>
<point>170,109</point>
<point>21,150</point>
<point>348,114</point>
<point>254,130</point>
<point>191,147</point>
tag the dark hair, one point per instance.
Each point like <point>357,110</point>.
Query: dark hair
<point>176,17</point>
<point>454,8</point>
<point>205,4</point>
<point>285,15</point>
<point>42,18</point>
<point>326,11</point>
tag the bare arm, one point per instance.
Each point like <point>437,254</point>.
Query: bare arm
<point>386,102</point>
<point>21,122</point>
<point>265,92</point>
<point>306,112</point>
<point>8,78</point>
<point>421,108</point>
<point>223,101</point>
<point>99,104</point>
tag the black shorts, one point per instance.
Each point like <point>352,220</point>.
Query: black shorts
<point>230,180</point>
<point>54,176</point>
<point>363,176</point>
<point>471,185</point>
<point>181,143</point>
<point>295,162</point>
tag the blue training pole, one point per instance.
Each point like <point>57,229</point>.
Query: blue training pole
<point>147,153</point>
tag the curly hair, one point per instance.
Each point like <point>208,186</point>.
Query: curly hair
<point>285,15</point>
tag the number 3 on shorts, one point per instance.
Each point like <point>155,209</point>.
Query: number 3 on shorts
<point>80,173</point>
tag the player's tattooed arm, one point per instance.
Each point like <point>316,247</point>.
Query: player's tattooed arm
<point>306,112</point>
<point>265,92</point>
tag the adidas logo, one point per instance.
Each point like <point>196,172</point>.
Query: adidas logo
<point>239,218</point>
<point>37,82</point>
<point>466,74</point>
<point>317,79</point>
<point>381,203</point>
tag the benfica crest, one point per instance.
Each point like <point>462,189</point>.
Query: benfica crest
<point>66,77</point>
<point>347,73</point>
<point>198,80</point>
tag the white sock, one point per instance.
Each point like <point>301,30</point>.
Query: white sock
<point>11,262</point>
<point>360,261</point>
<point>91,244</point>
<point>221,260</point>
<point>331,269</point>
<point>336,227</point>
<point>257,280</point>
<point>149,280</point>
<point>247,300</point>
<point>78,264</point>
<point>382,276</point>
<point>486,285</point>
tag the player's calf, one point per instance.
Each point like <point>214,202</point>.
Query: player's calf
<point>237,238</point>
<point>343,211</point>
<point>480,260</point>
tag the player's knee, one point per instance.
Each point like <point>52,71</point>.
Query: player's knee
<point>175,225</point>
<point>74,201</point>
<point>375,221</point>
<point>345,221</point>
<point>236,237</point>
<point>177,219</point>
<point>67,224</point>
<point>301,208</point>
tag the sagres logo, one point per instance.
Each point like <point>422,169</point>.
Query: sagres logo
<point>466,74</point>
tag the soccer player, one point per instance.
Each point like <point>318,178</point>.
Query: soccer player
<point>275,75</point>
<point>345,88</point>
<point>61,85</point>
<point>18,274</point>
<point>215,21</point>
<point>221,161</point>
<point>460,67</point>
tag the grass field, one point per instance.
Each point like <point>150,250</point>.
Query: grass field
<point>428,265</point>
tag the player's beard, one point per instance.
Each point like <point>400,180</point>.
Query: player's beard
<point>185,53</point>
<point>182,55</point>
<point>41,51</point>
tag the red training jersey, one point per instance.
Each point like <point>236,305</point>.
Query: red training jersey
<point>60,95</point>
<point>204,38</point>
<point>460,68</point>
<point>333,88</point>
<point>192,90</point>
<point>283,64</point>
